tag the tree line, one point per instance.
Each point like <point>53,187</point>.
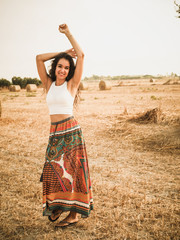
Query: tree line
<point>120,77</point>
<point>22,82</point>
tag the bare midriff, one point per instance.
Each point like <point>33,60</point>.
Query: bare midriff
<point>59,117</point>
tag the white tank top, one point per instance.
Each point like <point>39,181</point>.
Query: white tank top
<point>59,99</point>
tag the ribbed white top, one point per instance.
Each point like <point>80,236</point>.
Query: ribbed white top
<point>59,99</point>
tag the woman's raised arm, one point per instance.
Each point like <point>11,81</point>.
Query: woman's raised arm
<point>63,28</point>
<point>40,59</point>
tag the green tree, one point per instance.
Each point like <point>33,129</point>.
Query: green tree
<point>4,82</point>
<point>95,77</point>
<point>24,81</point>
<point>19,81</point>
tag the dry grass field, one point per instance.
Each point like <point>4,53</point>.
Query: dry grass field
<point>134,160</point>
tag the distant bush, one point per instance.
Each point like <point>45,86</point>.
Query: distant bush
<point>148,76</point>
<point>116,77</point>
<point>19,81</point>
<point>95,77</point>
<point>33,81</point>
<point>24,81</point>
<point>4,82</point>
<point>124,77</point>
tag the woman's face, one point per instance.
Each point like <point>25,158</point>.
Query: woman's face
<point>62,69</point>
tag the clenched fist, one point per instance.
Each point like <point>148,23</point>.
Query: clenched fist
<point>63,28</point>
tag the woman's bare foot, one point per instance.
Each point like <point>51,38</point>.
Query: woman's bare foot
<point>72,218</point>
<point>55,215</point>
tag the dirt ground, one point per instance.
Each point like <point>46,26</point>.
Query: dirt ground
<point>134,163</point>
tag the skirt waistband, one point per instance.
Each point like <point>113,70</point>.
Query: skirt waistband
<point>62,121</point>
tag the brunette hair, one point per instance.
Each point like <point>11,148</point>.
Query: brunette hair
<point>70,74</point>
<point>54,64</point>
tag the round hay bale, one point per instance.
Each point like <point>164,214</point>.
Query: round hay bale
<point>31,88</point>
<point>15,88</point>
<point>83,86</point>
<point>104,85</point>
<point>152,80</point>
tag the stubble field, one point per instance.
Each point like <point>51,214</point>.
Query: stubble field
<point>133,158</point>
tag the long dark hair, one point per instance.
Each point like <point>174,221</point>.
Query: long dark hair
<point>54,64</point>
<point>70,74</point>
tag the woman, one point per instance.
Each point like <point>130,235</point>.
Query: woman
<point>66,179</point>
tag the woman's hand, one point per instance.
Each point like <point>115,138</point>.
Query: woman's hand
<point>71,52</point>
<point>63,28</point>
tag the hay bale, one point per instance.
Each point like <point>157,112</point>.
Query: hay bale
<point>121,83</point>
<point>31,88</point>
<point>83,86</point>
<point>105,85</point>
<point>174,81</point>
<point>152,80</point>
<point>151,116</point>
<point>15,88</point>
<point>167,82</point>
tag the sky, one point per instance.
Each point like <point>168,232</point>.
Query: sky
<point>118,37</point>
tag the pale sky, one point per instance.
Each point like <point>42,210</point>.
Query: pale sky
<point>118,37</point>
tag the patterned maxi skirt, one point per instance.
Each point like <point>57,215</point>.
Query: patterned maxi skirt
<point>65,177</point>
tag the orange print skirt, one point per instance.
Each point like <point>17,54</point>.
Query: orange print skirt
<point>66,179</point>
